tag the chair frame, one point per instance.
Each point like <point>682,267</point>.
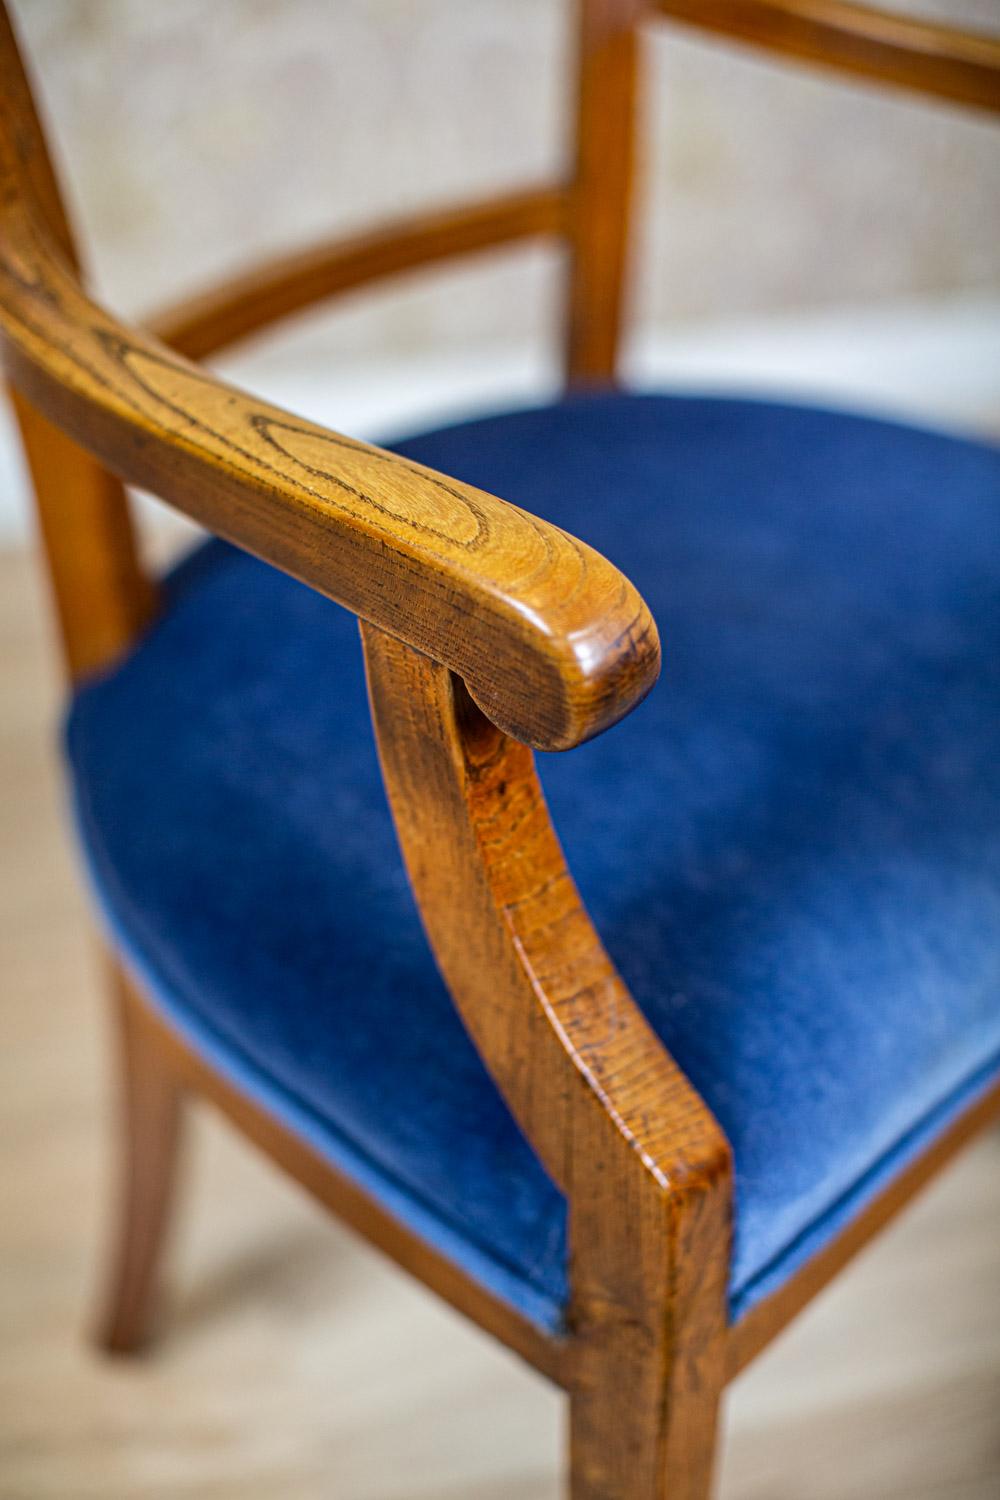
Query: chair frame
<point>554,646</point>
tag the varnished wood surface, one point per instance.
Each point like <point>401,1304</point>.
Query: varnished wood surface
<point>553,642</point>
<point>606,84</point>
<point>101,594</point>
<point>258,298</point>
<point>950,63</point>
<point>295,1362</point>
<point>151,1112</point>
<point>337,1194</point>
<point>529,974</point>
<point>496,610</point>
<point>645,1168</point>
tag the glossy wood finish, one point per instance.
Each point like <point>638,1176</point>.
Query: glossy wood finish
<point>101,594</point>
<point>244,305</point>
<point>151,1112</point>
<point>486,631</point>
<point>594,211</point>
<point>607,49</point>
<point>644,1166</point>
<point>295,1362</point>
<point>339,1194</point>
<point>958,65</point>
<point>553,642</point>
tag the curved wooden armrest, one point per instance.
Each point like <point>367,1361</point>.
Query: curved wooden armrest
<point>552,641</point>
<point>960,65</point>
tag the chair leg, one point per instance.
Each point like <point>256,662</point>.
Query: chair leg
<point>150,1114</point>
<point>649,1267</point>
<point>644,1429</point>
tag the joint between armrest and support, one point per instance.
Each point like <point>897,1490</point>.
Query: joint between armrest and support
<point>645,1168</point>
<point>552,641</point>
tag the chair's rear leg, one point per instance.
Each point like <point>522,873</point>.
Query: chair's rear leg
<point>151,1099</point>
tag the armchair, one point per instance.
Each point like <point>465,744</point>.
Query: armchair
<point>636,1194</point>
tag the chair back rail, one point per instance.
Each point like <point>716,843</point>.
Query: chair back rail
<point>645,1166</point>
<point>242,305</point>
<point>926,56</point>
<point>102,595</point>
<point>591,211</point>
<point>552,641</point>
<point>606,99</point>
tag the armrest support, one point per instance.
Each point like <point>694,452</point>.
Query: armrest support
<point>552,641</point>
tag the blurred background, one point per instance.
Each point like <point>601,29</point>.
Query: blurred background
<point>801,234</point>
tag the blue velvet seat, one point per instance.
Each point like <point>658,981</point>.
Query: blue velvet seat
<point>792,849</point>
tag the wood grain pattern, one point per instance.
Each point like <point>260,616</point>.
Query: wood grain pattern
<point>338,1193</point>
<point>607,51</point>
<point>553,642</point>
<point>295,1362</point>
<point>485,631</point>
<point>101,594</point>
<point>151,1112</point>
<point>291,1347</point>
<point>958,65</point>
<point>244,304</point>
<point>33,177</point>
<point>643,1164</point>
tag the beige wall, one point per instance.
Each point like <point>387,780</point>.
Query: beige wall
<point>201,132</point>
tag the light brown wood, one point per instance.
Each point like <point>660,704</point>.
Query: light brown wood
<point>34,176</point>
<point>296,1363</point>
<point>553,642</point>
<point>486,631</point>
<point>150,1113</point>
<point>260,297</point>
<point>644,1166</point>
<point>102,597</point>
<point>648,1319</point>
<point>962,66</point>
<point>101,594</point>
<point>337,1192</point>
<point>607,49</point>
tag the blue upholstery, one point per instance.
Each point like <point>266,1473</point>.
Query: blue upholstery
<point>791,849</point>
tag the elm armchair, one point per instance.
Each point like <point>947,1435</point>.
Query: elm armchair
<point>634,1163</point>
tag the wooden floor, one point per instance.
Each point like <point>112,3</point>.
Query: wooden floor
<point>296,1364</point>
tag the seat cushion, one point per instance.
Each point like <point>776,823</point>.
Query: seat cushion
<point>792,849</point>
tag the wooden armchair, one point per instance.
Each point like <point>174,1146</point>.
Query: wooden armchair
<point>805,900</point>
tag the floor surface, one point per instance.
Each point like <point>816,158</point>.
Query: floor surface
<point>295,1363</point>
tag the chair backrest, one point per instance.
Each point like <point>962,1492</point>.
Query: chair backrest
<point>939,60</point>
<point>103,597</point>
